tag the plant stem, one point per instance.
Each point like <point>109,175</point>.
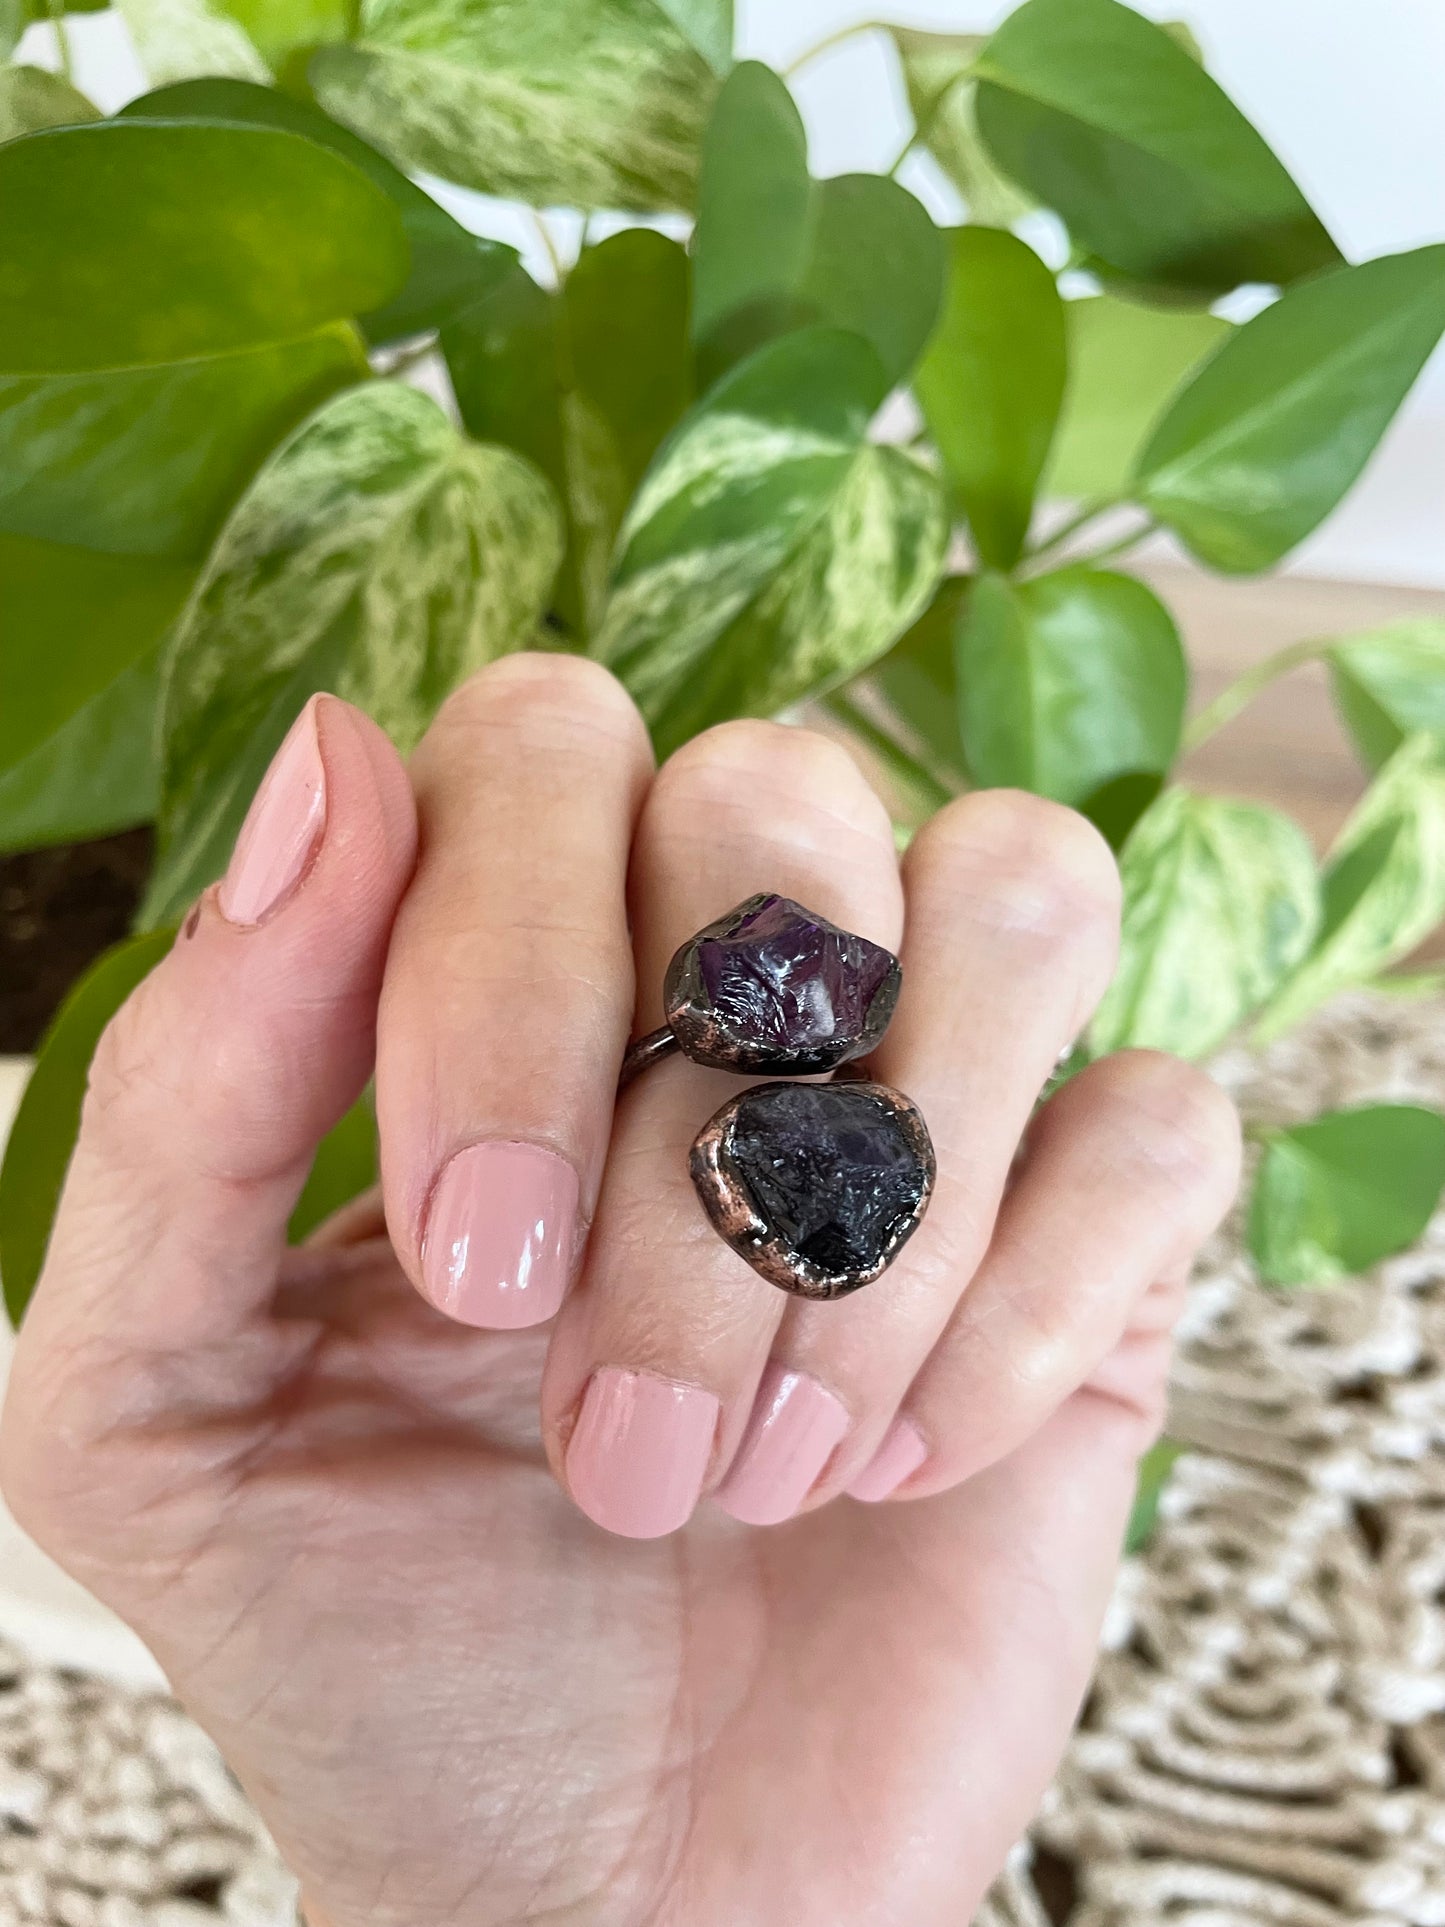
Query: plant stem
<point>548,240</point>
<point>56,10</point>
<point>829,41</point>
<point>1090,512</point>
<point>1122,547</point>
<point>892,754</point>
<point>902,155</point>
<point>1229,702</point>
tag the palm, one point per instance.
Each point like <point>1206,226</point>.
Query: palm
<point>363,1558</point>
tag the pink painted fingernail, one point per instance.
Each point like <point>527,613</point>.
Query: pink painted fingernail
<point>794,1426</point>
<point>640,1451</point>
<point>903,1450</point>
<point>500,1236</point>
<point>282,827</point>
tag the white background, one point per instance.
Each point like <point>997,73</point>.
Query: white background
<point>1350,93</point>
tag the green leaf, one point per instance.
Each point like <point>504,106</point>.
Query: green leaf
<point>378,554</point>
<point>1068,681</point>
<point>74,620</point>
<point>1125,364</point>
<point>170,302</point>
<point>31,98</point>
<point>97,774</point>
<point>451,268</point>
<point>277,27</point>
<point>776,250</point>
<point>597,104</point>
<point>182,39</point>
<point>1389,682</point>
<point>919,680</point>
<point>771,551</point>
<point>1337,1195</point>
<point>43,1135</point>
<point>345,1166</point>
<point>1384,884</point>
<point>1154,1469</point>
<point>1104,117</point>
<point>1220,903</point>
<point>14,19</point>
<point>585,383</point>
<point>939,79</point>
<point>1274,428</point>
<point>992,382</point>
<point>706,25</point>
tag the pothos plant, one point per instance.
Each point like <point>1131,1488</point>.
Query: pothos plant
<point>811,456</point>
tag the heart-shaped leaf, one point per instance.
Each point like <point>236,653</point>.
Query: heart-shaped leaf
<point>918,679</point>
<point>451,268</point>
<point>992,382</point>
<point>277,27</point>
<point>1126,362</point>
<point>1384,883</point>
<point>1390,682</point>
<point>1067,682</point>
<point>599,104</point>
<point>31,98</point>
<point>771,551</point>
<point>585,383</point>
<point>1268,436</point>
<point>99,772</point>
<point>938,74</point>
<point>1337,1195</point>
<point>1106,118</point>
<point>171,300</point>
<point>776,250</point>
<point>379,554</point>
<point>1221,902</point>
<point>37,1153</point>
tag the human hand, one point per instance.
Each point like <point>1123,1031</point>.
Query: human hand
<point>340,1515</point>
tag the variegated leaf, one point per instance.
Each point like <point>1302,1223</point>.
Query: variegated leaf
<point>31,98</point>
<point>180,39</point>
<point>938,75</point>
<point>597,104</point>
<point>1220,903</point>
<point>1384,884</point>
<point>1389,682</point>
<point>379,554</point>
<point>772,551</point>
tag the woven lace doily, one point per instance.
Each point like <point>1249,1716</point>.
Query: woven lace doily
<point>1264,1745</point>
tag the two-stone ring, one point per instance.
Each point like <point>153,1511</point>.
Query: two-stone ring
<point>817,1186</point>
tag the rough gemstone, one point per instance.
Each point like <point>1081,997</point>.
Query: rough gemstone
<point>829,1168</point>
<point>783,981</point>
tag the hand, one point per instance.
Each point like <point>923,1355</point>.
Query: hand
<point>337,1506</point>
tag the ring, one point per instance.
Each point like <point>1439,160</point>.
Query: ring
<point>817,1186</point>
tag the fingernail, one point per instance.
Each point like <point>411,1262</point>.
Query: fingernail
<point>903,1450</point>
<point>639,1454</point>
<point>790,1436</point>
<point>282,827</point>
<point>500,1235</point>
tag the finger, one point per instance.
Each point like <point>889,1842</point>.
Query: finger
<point>214,1082</point>
<point>1011,933</point>
<point>1129,1168</point>
<point>509,989</point>
<point>655,1361</point>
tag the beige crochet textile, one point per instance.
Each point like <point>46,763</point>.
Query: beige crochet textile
<point>1265,1742</point>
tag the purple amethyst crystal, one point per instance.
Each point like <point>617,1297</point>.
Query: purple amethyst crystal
<point>772,986</point>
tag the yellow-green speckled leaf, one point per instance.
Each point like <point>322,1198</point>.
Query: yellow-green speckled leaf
<point>1221,901</point>
<point>379,554</point>
<point>597,104</point>
<point>1384,883</point>
<point>772,551</point>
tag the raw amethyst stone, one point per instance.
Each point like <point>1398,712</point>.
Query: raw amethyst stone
<point>831,1171</point>
<point>773,987</point>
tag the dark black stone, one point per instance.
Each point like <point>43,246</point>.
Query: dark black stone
<point>830,1169</point>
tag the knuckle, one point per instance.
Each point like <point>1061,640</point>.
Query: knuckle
<point>755,761</point>
<point>1026,862</point>
<point>551,701</point>
<point>1178,1121</point>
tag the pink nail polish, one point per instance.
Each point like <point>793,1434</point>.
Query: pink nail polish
<point>282,827</point>
<point>794,1425</point>
<point>640,1451</point>
<point>903,1450</point>
<point>501,1231</point>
